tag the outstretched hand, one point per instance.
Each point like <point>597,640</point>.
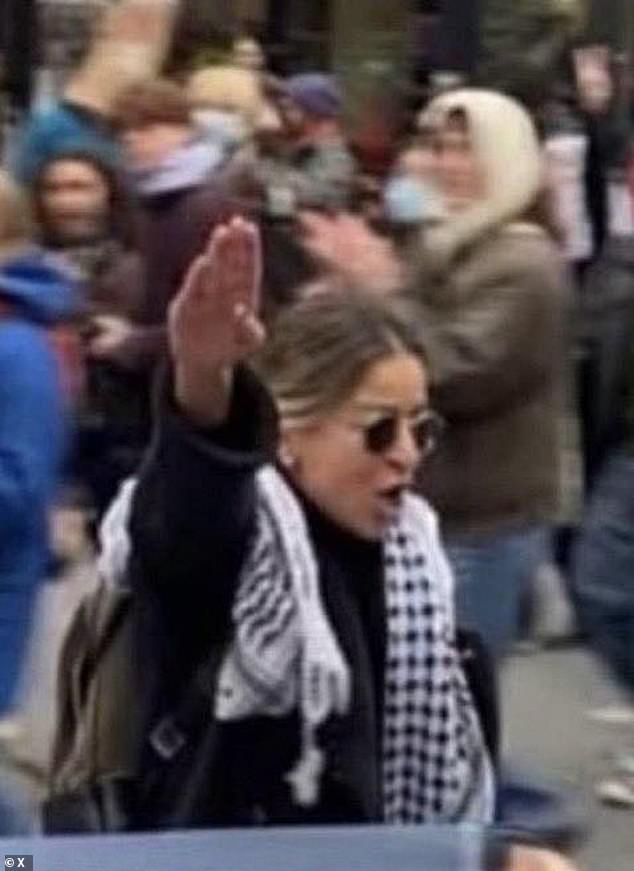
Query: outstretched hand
<point>353,252</point>
<point>213,322</point>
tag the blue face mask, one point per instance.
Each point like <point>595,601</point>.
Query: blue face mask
<point>228,129</point>
<point>406,200</point>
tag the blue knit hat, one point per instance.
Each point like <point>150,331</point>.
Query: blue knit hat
<point>54,132</point>
<point>316,94</point>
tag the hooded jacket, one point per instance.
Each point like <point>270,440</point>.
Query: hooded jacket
<point>111,276</point>
<point>34,296</point>
<point>492,292</point>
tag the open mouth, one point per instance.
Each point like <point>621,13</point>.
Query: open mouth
<point>392,497</point>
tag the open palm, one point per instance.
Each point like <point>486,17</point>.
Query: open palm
<point>213,322</point>
<point>351,250</point>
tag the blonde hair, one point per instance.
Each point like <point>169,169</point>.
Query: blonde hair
<point>320,349</point>
<point>226,87</point>
<point>16,225</point>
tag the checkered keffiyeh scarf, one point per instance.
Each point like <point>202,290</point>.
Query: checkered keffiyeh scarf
<point>285,656</point>
<point>435,765</point>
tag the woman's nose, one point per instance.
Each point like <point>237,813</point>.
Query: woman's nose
<point>405,451</point>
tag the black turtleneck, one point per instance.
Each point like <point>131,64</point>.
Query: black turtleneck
<point>349,563</point>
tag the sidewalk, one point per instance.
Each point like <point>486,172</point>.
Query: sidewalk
<point>546,698</point>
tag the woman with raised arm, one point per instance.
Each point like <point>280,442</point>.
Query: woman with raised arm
<point>272,536</point>
<point>294,621</point>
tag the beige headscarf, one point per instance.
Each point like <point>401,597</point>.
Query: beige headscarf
<point>506,144</point>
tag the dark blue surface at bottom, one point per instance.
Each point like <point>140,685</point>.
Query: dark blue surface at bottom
<point>349,849</point>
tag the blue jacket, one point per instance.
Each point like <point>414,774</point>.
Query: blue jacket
<point>35,295</point>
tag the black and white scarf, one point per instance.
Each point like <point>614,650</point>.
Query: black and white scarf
<point>285,656</point>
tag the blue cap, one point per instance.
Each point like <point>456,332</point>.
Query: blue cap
<point>316,94</point>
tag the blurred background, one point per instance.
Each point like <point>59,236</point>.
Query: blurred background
<point>42,40</point>
<point>570,63</point>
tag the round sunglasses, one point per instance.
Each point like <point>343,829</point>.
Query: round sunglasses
<point>426,429</point>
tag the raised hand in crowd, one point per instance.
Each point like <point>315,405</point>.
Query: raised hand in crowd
<point>353,252</point>
<point>214,323</point>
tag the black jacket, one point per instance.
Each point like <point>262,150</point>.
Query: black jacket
<point>137,745</point>
<point>192,523</point>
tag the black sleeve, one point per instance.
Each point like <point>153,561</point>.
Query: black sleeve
<point>194,508</point>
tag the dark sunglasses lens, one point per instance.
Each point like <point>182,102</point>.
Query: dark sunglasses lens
<point>380,435</point>
<point>427,433</point>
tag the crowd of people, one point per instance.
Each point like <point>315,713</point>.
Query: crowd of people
<point>315,420</point>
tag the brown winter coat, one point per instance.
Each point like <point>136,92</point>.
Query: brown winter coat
<point>495,324</point>
<point>493,296</point>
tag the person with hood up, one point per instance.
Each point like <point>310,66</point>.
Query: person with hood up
<point>35,297</point>
<point>492,288</point>
<point>410,199</point>
<point>228,106</point>
<point>84,218</point>
<point>492,293</point>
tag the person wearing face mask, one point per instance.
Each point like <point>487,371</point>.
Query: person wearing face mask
<point>410,197</point>
<point>487,277</point>
<point>492,289</point>
<point>405,199</point>
<point>173,172</point>
<point>226,103</point>
<point>490,281</point>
